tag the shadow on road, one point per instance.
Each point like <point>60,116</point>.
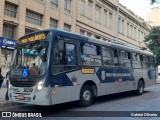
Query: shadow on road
<point>117,96</point>
<point>61,109</point>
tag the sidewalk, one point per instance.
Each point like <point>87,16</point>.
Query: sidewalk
<point>3,102</point>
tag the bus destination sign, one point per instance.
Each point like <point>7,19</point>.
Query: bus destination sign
<point>33,38</point>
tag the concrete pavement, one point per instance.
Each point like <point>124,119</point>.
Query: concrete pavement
<point>3,102</point>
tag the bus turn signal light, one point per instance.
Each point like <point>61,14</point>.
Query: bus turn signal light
<point>54,93</point>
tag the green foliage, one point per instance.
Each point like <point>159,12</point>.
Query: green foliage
<point>153,42</point>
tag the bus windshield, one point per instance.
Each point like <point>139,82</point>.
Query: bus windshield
<point>30,60</point>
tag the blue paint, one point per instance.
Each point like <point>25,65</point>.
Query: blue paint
<point>7,42</point>
<point>152,74</point>
<point>109,74</point>
<point>25,73</point>
<point>61,79</point>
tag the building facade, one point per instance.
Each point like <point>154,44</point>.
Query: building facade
<point>153,16</point>
<point>103,19</point>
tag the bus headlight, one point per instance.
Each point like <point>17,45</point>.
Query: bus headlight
<point>40,86</point>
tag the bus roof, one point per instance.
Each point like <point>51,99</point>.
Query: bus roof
<point>97,41</point>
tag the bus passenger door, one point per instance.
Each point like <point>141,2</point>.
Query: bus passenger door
<point>64,61</point>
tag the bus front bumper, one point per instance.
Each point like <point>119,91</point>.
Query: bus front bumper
<point>17,94</point>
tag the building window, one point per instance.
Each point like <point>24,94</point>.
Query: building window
<point>82,7</point>
<point>97,37</point>
<point>110,21</point>
<point>27,31</point>
<point>89,34</point>
<point>40,0</point>
<point>142,36</point>
<point>128,29</point>
<point>98,14</point>
<point>67,27</point>
<point>89,8</point>
<point>53,23</point>
<point>105,18</point>
<point>54,3</point>
<point>9,31</point>
<point>121,25</point>
<point>10,10</point>
<point>135,32</point>
<point>34,18</point>
<point>82,32</point>
<point>131,31</point>
<point>67,6</point>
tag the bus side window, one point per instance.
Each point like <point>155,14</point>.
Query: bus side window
<point>136,63</point>
<point>90,54</point>
<point>152,62</point>
<point>129,55</point>
<point>55,54</point>
<point>70,54</point>
<point>115,57</point>
<point>98,50</point>
<point>145,62</point>
<point>125,59</point>
<point>106,53</point>
<point>128,63</point>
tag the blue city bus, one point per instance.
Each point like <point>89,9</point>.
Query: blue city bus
<point>54,66</point>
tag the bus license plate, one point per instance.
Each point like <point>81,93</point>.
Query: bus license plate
<point>21,97</point>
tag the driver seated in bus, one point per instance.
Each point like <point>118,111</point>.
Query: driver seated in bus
<point>34,71</point>
<point>62,58</point>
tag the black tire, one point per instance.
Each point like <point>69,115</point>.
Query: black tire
<point>86,96</point>
<point>140,88</point>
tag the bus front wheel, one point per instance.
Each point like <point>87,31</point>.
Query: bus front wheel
<point>140,88</point>
<point>86,96</point>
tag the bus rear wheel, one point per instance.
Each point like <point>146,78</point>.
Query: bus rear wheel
<point>140,88</point>
<point>86,96</point>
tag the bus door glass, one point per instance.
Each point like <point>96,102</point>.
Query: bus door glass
<point>64,56</point>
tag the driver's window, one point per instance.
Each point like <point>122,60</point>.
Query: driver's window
<point>64,60</point>
<point>70,54</point>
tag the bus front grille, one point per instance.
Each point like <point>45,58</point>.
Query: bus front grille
<point>23,83</point>
<point>26,99</point>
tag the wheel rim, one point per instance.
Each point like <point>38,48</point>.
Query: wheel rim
<point>87,95</point>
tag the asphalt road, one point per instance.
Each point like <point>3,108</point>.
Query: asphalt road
<point>110,105</point>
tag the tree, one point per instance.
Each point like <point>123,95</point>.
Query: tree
<point>153,42</point>
<point>155,1</point>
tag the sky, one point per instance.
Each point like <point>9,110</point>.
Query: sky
<point>139,7</point>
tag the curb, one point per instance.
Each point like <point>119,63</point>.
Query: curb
<point>4,103</point>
